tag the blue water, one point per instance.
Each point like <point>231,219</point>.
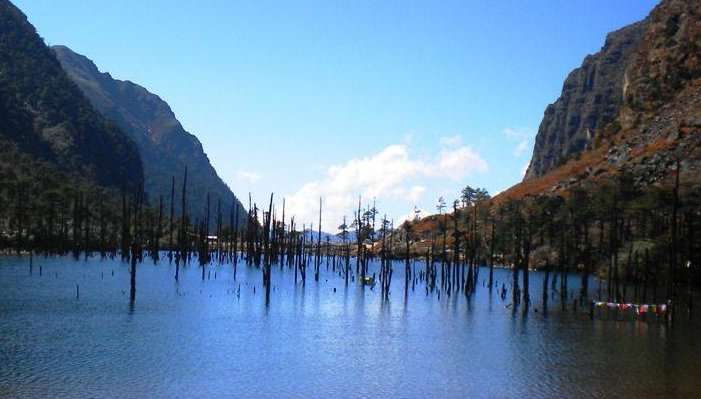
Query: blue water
<point>217,338</point>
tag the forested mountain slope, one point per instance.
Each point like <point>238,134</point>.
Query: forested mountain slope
<point>46,124</point>
<point>166,148</point>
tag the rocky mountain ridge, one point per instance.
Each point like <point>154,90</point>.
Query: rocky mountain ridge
<point>653,113</point>
<point>166,147</point>
<point>591,97</point>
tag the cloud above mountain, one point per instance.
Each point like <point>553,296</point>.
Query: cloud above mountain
<point>393,173</point>
<point>522,137</point>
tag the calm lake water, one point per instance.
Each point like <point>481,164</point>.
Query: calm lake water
<point>202,339</point>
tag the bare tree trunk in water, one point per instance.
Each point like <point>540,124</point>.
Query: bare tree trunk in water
<point>526,263</point>
<point>317,260</point>
<point>491,256</point>
<point>172,217</point>
<point>182,241</point>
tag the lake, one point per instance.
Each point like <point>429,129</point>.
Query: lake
<point>217,338</point>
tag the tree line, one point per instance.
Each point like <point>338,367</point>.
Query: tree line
<point>642,244</point>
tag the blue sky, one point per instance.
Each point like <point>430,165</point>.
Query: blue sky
<point>400,100</point>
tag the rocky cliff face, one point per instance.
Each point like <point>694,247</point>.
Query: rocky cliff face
<point>591,98</point>
<point>166,148</point>
<point>661,113</point>
<point>636,105</point>
<point>653,117</point>
<point>667,60</point>
<point>45,119</point>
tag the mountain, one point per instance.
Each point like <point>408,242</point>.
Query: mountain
<point>591,97</point>
<point>630,116</point>
<point>166,147</point>
<point>635,107</point>
<point>47,127</point>
<point>313,236</point>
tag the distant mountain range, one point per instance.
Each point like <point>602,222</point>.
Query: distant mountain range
<point>166,148</point>
<point>332,238</point>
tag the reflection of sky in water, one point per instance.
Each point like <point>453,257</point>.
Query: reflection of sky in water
<point>201,339</point>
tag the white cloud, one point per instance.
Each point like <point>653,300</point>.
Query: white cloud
<point>451,141</point>
<point>248,177</point>
<point>407,138</point>
<point>456,164</point>
<point>523,138</point>
<point>517,133</point>
<point>415,193</point>
<point>388,174</point>
<point>455,160</point>
<point>521,148</point>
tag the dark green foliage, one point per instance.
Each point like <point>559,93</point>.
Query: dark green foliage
<point>44,115</point>
<point>41,210</point>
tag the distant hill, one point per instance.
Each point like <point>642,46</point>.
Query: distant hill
<point>166,148</point>
<point>49,132</point>
<point>332,238</point>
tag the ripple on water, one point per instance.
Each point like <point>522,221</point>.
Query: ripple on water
<point>200,339</point>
